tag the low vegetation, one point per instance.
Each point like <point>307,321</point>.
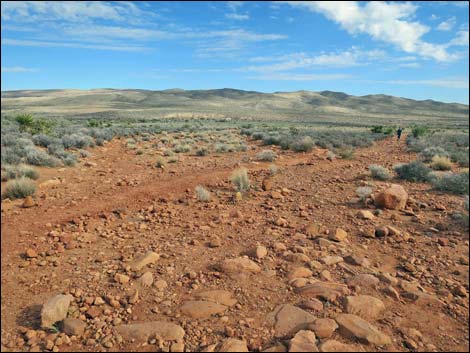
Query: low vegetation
<point>241,180</point>
<point>455,183</point>
<point>19,188</point>
<point>441,163</point>
<point>415,171</point>
<point>202,194</point>
<point>266,155</point>
<point>380,173</point>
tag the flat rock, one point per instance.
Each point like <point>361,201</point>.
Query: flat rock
<point>352,325</point>
<point>162,330</point>
<point>289,319</point>
<point>200,309</point>
<point>299,272</point>
<point>139,263</point>
<point>339,235</point>
<point>363,280</point>
<point>240,264</point>
<point>303,341</point>
<point>233,345</point>
<point>217,296</point>
<point>258,252</point>
<point>326,290</point>
<point>55,309</point>
<point>73,327</point>
<point>336,346</point>
<point>364,214</point>
<point>324,328</point>
<point>365,306</point>
<point>146,279</point>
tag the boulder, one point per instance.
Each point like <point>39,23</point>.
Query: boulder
<point>393,198</point>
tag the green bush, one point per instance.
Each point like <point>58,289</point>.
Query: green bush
<point>241,180</point>
<point>304,145</point>
<point>202,152</point>
<point>455,183</point>
<point>266,155</point>
<point>346,153</point>
<point>379,172</point>
<point>419,131</point>
<point>19,188</point>
<point>429,153</point>
<point>160,163</point>
<point>414,171</point>
<point>14,172</point>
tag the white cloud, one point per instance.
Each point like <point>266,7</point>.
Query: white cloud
<point>18,69</point>
<point>299,77</point>
<point>447,25</point>
<point>234,5</point>
<point>461,39</point>
<point>34,43</point>
<point>348,58</point>
<point>383,21</point>
<point>445,82</point>
<point>77,11</point>
<point>236,16</point>
<point>410,65</point>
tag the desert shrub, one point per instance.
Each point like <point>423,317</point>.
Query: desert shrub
<point>202,152</point>
<point>414,171</point>
<point>240,179</point>
<point>173,160</point>
<point>242,147</point>
<point>378,129</point>
<point>379,172</point>
<point>461,157</point>
<point>181,148</point>
<point>99,141</point>
<point>139,152</point>
<point>429,153</point>
<point>10,155</point>
<point>41,158</point>
<point>363,192</point>
<point>330,155</point>
<point>84,153</point>
<point>78,141</point>
<point>304,145</point>
<point>455,183</point>
<point>441,163</point>
<point>266,155</point>
<point>14,172</point>
<point>19,188</point>
<point>44,140</point>
<point>273,169</point>
<point>221,148</point>
<point>160,163</point>
<point>346,153</point>
<point>203,194</point>
<point>419,131</point>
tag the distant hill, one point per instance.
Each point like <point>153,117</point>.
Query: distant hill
<point>308,106</point>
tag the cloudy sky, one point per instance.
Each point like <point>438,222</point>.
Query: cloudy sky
<point>409,49</point>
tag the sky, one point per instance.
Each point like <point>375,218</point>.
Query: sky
<point>417,49</point>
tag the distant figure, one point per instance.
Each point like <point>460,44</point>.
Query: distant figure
<point>399,131</point>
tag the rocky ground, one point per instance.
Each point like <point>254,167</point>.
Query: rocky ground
<point>127,255</point>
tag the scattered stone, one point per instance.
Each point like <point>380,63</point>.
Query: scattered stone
<point>233,345</point>
<point>363,280</point>
<point>355,259</point>
<point>339,235</point>
<point>352,325</point>
<point>335,346</point>
<point>364,214</point>
<point>199,309</point>
<point>55,309</point>
<point>240,264</point>
<point>258,252</point>
<point>73,327</point>
<point>149,258</point>
<point>324,328</point>
<point>28,202</point>
<point>146,279</point>
<point>289,319</point>
<point>217,296</point>
<point>311,304</point>
<point>267,184</point>
<point>381,232</point>
<point>303,341</point>
<point>327,290</point>
<point>121,278</point>
<point>30,253</point>
<point>299,272</point>
<point>393,198</point>
<point>365,306</point>
<point>165,331</point>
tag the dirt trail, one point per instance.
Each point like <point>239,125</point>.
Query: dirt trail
<point>154,209</point>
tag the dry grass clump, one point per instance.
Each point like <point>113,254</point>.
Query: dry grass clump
<point>441,163</point>
<point>240,179</point>
<point>266,155</point>
<point>19,188</point>
<point>203,194</point>
<point>379,172</point>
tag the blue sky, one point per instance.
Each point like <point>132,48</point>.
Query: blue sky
<point>417,50</point>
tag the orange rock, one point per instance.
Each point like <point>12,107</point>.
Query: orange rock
<point>28,202</point>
